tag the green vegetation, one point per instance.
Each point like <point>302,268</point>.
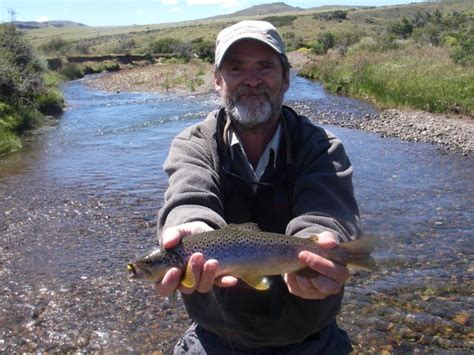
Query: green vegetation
<point>198,48</point>
<point>338,15</point>
<point>424,61</point>
<point>280,21</point>
<point>418,55</point>
<point>421,77</point>
<point>24,93</point>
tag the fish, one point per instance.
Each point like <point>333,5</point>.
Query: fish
<point>246,252</point>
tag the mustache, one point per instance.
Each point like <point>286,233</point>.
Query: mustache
<point>246,90</point>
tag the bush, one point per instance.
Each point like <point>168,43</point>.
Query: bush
<point>317,47</point>
<point>292,42</point>
<point>72,71</point>
<point>21,69</point>
<point>56,46</point>
<point>402,29</point>
<point>50,103</point>
<point>9,118</point>
<point>280,21</point>
<point>203,49</point>
<point>331,15</point>
<point>464,52</point>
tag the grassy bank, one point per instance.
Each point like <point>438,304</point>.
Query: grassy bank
<point>420,77</point>
<point>28,91</point>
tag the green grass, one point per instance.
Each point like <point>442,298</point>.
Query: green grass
<point>9,142</point>
<point>423,78</point>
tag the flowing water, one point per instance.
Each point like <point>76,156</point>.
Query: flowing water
<point>80,201</point>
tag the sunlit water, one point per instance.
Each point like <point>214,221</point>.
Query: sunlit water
<point>81,201</point>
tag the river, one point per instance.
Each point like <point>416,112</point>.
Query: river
<point>80,201</point>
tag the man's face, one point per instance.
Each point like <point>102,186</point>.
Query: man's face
<point>252,83</point>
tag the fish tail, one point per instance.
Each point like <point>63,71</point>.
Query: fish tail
<point>359,252</point>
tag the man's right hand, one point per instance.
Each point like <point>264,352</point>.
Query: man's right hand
<point>204,271</point>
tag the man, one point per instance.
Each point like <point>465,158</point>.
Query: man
<point>255,160</point>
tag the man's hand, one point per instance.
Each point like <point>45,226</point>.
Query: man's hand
<point>330,280</point>
<point>204,271</point>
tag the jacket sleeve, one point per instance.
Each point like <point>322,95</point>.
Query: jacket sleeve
<point>193,193</point>
<point>323,195</point>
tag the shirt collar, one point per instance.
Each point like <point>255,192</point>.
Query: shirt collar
<point>236,147</point>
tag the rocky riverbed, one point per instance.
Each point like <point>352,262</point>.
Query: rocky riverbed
<point>447,131</point>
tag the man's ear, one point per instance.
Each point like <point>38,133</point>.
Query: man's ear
<point>217,80</point>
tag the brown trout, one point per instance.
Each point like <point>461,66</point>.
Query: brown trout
<point>244,251</point>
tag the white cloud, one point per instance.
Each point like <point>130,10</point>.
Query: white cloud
<point>139,12</point>
<point>42,19</point>
<point>169,2</point>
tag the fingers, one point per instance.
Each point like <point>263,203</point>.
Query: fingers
<point>208,276</point>
<point>325,267</point>
<point>226,281</point>
<point>169,283</point>
<point>173,235</point>
<point>316,288</point>
<point>331,276</point>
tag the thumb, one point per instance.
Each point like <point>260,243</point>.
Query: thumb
<point>327,240</point>
<point>173,235</point>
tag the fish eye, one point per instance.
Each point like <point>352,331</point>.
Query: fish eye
<point>147,262</point>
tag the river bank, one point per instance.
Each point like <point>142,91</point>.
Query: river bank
<point>448,131</point>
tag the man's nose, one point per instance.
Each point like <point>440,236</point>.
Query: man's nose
<point>252,77</point>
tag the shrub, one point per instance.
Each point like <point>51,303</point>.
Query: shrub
<point>317,47</point>
<point>203,49</point>
<point>331,15</point>
<point>72,71</point>
<point>9,118</point>
<point>57,46</point>
<point>464,52</point>
<point>402,29</point>
<point>280,21</point>
<point>50,103</point>
<point>21,69</point>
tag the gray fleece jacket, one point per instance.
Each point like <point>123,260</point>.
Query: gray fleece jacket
<point>309,190</point>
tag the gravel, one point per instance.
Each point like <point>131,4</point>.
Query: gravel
<point>448,131</point>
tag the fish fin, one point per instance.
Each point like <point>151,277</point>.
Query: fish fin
<point>258,282</point>
<point>362,246</point>
<point>359,253</point>
<point>188,280</point>
<point>368,263</point>
<point>250,227</point>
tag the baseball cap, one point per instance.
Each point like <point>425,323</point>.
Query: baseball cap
<point>261,31</point>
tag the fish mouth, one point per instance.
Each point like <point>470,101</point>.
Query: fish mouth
<point>132,271</point>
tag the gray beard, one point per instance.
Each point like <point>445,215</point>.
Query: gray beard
<point>250,115</point>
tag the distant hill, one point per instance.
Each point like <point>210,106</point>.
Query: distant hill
<point>260,10</point>
<point>30,25</point>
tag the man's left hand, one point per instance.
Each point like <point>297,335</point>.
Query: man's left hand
<point>330,280</point>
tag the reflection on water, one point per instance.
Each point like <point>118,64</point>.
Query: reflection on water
<point>81,201</point>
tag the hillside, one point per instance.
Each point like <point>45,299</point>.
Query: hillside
<point>297,26</point>
<point>30,25</point>
<point>260,10</point>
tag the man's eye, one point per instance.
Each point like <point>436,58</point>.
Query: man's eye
<point>266,67</point>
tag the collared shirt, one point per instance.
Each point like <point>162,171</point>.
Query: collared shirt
<point>268,157</point>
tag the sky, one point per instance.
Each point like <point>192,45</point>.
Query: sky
<point>141,12</point>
